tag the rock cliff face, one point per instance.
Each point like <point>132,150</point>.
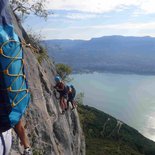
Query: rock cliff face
<point>50,133</point>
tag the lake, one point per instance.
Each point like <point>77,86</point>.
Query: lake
<point>127,97</point>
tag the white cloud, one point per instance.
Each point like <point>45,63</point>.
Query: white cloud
<point>87,32</point>
<point>87,9</point>
<point>80,16</point>
<point>101,6</point>
<point>129,26</point>
<point>148,6</point>
<point>97,6</point>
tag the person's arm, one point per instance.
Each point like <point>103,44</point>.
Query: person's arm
<point>60,87</point>
<point>20,130</point>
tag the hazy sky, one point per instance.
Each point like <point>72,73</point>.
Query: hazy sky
<point>86,19</point>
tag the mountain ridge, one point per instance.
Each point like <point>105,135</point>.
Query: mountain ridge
<point>108,53</point>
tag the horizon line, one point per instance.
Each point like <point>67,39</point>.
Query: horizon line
<point>145,36</point>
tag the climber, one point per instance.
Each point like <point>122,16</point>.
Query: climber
<point>61,88</point>
<point>71,95</point>
<point>21,133</point>
<point>14,93</point>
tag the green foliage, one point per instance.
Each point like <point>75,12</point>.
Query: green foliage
<point>86,118</point>
<point>98,146</point>
<point>34,40</point>
<point>104,135</point>
<point>25,7</point>
<point>42,55</point>
<point>38,152</point>
<point>64,71</point>
<point>79,98</point>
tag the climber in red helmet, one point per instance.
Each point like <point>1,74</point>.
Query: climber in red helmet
<point>61,88</point>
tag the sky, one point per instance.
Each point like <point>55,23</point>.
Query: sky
<point>86,19</point>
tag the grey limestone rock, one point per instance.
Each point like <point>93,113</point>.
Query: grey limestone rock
<point>50,133</point>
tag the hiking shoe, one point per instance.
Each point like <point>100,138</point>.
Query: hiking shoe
<point>28,151</point>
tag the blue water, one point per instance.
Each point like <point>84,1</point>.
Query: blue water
<point>128,97</point>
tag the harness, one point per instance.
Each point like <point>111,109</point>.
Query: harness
<point>63,92</point>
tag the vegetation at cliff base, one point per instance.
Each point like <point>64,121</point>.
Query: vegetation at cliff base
<point>106,135</point>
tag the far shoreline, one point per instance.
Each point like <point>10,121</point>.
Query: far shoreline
<point>114,72</point>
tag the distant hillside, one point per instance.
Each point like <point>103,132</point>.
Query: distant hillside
<point>109,53</point>
<point>107,136</point>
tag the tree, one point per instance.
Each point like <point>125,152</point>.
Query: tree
<point>79,98</point>
<point>64,71</point>
<point>24,7</point>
